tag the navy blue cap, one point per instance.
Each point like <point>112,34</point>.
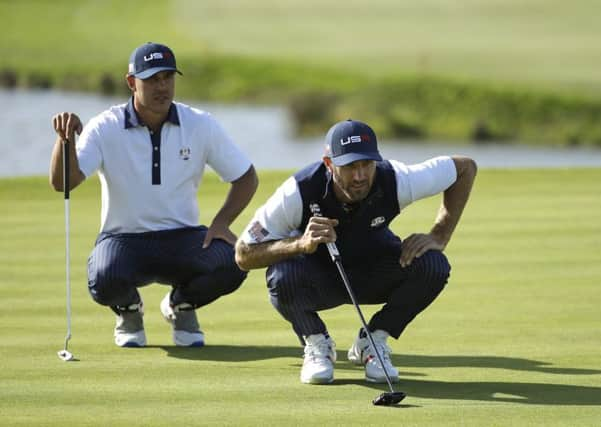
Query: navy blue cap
<point>351,140</point>
<point>150,58</point>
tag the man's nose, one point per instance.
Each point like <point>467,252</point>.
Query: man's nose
<point>162,83</point>
<point>359,174</point>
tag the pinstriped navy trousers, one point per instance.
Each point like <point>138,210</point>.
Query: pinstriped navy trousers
<point>120,263</point>
<point>301,286</point>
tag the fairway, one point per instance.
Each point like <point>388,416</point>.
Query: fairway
<point>514,339</point>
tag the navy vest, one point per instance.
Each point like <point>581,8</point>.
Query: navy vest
<point>362,232</point>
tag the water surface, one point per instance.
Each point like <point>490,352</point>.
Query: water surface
<point>264,133</point>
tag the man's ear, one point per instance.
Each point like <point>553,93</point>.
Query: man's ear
<point>131,82</point>
<point>328,162</point>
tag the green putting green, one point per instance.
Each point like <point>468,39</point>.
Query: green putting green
<point>513,340</point>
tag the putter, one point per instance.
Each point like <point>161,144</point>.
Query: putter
<point>385,399</point>
<point>65,354</point>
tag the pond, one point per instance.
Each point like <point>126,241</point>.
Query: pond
<point>264,133</point>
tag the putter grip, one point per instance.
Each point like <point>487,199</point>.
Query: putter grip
<point>66,171</point>
<point>333,250</point>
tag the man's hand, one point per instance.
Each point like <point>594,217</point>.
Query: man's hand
<point>319,230</point>
<point>219,231</point>
<point>453,201</point>
<point>416,245</point>
<point>237,199</point>
<point>66,124</point>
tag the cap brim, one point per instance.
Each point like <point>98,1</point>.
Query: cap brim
<point>152,71</point>
<point>345,159</point>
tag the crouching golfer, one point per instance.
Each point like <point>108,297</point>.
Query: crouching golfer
<point>358,194</point>
<point>150,155</point>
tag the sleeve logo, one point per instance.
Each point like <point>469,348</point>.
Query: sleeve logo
<point>257,232</point>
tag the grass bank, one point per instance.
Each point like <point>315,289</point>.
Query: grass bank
<point>513,71</point>
<point>513,339</point>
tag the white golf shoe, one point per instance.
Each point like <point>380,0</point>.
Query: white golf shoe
<point>182,317</point>
<point>362,353</point>
<point>129,327</point>
<point>318,364</point>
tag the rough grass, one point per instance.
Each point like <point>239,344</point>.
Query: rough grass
<point>513,340</point>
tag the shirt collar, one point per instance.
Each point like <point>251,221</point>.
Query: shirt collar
<point>133,120</point>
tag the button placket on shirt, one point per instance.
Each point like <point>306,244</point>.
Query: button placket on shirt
<point>155,139</point>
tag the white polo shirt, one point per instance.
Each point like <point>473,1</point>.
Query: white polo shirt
<point>150,182</point>
<point>280,217</point>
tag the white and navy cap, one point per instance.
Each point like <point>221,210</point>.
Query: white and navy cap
<point>149,59</point>
<point>351,140</point>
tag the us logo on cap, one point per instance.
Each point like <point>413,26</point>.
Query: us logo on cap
<point>354,139</point>
<point>149,59</point>
<point>351,140</point>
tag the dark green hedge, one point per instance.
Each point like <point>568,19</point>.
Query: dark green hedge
<point>414,107</point>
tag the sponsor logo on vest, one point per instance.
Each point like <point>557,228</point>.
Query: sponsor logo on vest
<point>378,221</point>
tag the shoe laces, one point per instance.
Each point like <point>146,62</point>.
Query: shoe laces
<point>129,321</point>
<point>381,346</point>
<point>320,350</point>
<point>384,351</point>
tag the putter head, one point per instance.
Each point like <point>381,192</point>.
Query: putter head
<point>66,355</point>
<point>388,399</point>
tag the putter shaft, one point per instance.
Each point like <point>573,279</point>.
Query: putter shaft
<point>65,354</point>
<point>386,398</point>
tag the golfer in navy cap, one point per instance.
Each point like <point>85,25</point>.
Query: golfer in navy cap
<point>150,155</point>
<point>357,194</point>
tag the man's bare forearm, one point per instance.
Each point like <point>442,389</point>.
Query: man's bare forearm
<point>259,255</point>
<point>240,194</point>
<point>76,177</point>
<point>454,200</point>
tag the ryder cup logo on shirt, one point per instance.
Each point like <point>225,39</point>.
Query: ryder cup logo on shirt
<point>184,153</point>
